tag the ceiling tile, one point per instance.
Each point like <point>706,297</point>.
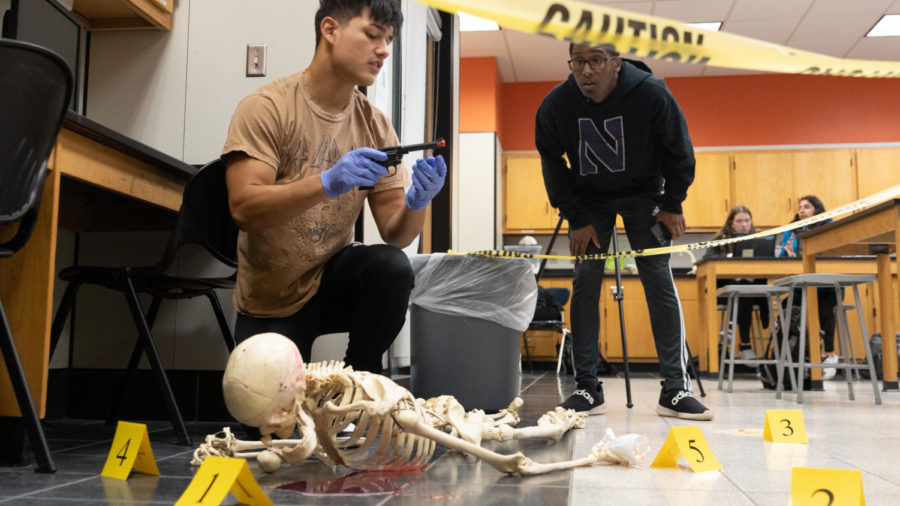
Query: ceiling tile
<point>669,69</point>
<point>842,7</point>
<point>876,48</point>
<point>777,31</point>
<point>835,46</point>
<point>537,56</point>
<point>641,6</point>
<point>768,9</point>
<point>473,44</point>
<point>816,27</point>
<point>692,11</point>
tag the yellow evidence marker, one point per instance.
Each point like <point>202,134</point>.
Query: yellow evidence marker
<point>687,442</point>
<point>785,426</point>
<point>217,477</point>
<point>130,450</point>
<point>828,487</point>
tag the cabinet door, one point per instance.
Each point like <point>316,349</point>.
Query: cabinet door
<point>641,345</point>
<point>763,181</point>
<point>709,197</point>
<point>826,173</point>
<point>877,169</point>
<point>527,205</point>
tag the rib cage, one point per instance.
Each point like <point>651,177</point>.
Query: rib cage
<point>337,396</point>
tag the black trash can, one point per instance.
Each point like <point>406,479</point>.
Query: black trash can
<point>466,318</point>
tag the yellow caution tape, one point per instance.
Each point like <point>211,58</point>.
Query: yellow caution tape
<point>642,35</point>
<point>853,206</point>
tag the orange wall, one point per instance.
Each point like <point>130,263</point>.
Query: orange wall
<point>769,109</point>
<point>479,89</point>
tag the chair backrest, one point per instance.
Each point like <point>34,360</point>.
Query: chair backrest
<point>204,218</point>
<point>35,86</point>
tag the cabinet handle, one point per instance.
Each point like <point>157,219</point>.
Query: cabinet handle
<point>726,206</point>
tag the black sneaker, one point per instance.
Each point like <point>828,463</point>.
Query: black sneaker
<point>586,400</point>
<point>681,404</point>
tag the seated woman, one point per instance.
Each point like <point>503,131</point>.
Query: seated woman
<point>738,223</point>
<point>809,206</point>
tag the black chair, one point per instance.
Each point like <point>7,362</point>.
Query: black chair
<point>204,219</point>
<point>35,87</point>
<point>549,316</point>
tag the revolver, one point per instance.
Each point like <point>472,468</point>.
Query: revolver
<point>395,155</point>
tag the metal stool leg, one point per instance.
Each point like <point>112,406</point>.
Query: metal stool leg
<point>801,360</point>
<point>844,338</point>
<point>735,337</point>
<point>865,333</point>
<point>723,339</point>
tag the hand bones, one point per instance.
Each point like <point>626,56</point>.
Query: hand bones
<point>266,385</point>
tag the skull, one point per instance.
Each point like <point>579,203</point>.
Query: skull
<point>264,380</point>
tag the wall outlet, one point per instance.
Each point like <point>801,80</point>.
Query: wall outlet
<point>256,60</point>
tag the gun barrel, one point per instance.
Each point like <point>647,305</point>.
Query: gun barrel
<point>440,143</point>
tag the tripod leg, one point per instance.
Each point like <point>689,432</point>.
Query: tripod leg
<point>694,370</point>
<point>619,296</point>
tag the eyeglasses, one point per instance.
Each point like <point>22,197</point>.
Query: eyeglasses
<point>597,63</point>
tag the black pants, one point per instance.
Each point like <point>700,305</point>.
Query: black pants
<point>745,307</point>
<point>827,301</point>
<point>666,319</point>
<point>364,291</point>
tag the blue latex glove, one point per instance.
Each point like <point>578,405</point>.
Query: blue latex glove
<point>355,168</point>
<point>428,179</point>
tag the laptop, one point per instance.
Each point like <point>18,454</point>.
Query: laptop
<point>754,248</point>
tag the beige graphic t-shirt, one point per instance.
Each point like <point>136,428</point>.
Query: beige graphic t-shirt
<point>279,268</point>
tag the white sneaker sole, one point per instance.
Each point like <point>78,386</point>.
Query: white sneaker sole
<point>664,411</point>
<point>599,410</point>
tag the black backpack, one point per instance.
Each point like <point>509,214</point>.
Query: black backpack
<point>546,309</point>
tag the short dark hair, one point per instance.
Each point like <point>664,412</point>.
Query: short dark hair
<point>381,11</point>
<point>609,48</point>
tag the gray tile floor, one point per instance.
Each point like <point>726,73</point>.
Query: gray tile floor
<point>843,434</point>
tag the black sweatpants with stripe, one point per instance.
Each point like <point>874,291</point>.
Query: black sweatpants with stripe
<point>666,319</point>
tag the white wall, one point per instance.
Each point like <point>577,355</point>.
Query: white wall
<point>176,91</point>
<point>477,173</point>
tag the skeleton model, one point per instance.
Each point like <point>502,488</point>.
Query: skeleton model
<point>266,385</point>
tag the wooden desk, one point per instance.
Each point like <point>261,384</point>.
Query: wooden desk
<point>873,231</point>
<point>708,271</point>
<point>92,154</point>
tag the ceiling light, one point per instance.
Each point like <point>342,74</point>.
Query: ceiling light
<point>887,26</point>
<point>712,26</point>
<point>470,23</point>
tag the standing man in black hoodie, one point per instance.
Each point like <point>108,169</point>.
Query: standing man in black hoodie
<point>629,153</point>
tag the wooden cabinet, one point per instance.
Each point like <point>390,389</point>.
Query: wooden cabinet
<point>826,173</point>
<point>641,345</point>
<point>763,181</point>
<point>709,197</point>
<point>637,322</point>
<point>771,182</point>
<point>124,14</point>
<point>527,207</point>
<point>877,169</point>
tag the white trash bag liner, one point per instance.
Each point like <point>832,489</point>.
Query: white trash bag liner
<point>500,290</point>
